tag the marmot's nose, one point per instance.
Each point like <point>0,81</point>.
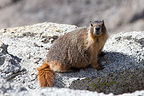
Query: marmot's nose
<point>97,29</point>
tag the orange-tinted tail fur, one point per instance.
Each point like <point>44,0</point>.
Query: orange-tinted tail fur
<point>45,75</point>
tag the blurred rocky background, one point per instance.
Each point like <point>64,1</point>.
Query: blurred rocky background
<point>119,15</point>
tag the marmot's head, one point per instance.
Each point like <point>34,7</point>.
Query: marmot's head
<point>97,28</point>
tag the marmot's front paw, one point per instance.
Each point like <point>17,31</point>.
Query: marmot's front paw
<point>101,67</point>
<point>97,66</point>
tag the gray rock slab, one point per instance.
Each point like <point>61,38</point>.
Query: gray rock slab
<point>123,61</point>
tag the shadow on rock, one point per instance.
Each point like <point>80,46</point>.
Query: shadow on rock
<point>121,74</point>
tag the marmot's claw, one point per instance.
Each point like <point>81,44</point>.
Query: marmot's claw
<point>101,67</point>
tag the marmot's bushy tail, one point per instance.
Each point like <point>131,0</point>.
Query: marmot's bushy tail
<point>45,75</point>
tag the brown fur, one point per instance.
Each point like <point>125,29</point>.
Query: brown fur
<point>76,49</point>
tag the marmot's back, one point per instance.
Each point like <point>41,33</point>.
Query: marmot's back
<point>69,49</point>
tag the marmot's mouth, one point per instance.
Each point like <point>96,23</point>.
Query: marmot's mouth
<point>98,33</point>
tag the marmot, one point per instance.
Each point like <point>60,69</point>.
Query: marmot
<point>76,49</point>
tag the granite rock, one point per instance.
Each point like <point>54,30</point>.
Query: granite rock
<point>24,49</point>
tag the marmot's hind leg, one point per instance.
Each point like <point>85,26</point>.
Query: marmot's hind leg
<point>58,67</point>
